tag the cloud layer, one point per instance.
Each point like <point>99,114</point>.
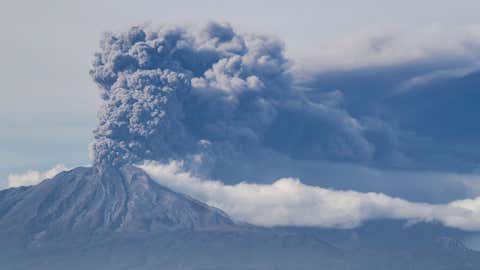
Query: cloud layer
<point>33,177</point>
<point>415,93</point>
<point>394,47</point>
<point>288,202</point>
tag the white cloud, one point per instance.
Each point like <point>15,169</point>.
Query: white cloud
<point>32,177</point>
<point>387,46</point>
<point>290,202</point>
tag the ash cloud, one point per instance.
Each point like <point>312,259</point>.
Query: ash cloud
<point>211,94</point>
<point>415,92</point>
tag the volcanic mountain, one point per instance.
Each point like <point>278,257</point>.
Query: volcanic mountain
<point>107,217</point>
<point>102,199</point>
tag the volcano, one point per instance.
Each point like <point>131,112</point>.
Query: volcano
<point>107,217</point>
<point>103,199</point>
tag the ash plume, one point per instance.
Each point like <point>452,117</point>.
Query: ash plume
<point>212,95</point>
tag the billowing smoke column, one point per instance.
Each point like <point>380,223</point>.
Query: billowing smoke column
<point>181,93</point>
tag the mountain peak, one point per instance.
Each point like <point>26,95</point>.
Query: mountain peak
<point>103,199</point>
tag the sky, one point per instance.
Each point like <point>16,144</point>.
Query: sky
<point>378,62</point>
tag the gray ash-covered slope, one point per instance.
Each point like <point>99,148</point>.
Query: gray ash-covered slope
<point>102,199</point>
<point>118,218</point>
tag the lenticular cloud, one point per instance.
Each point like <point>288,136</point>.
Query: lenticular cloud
<point>210,94</point>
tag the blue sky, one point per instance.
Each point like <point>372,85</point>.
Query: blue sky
<point>48,101</point>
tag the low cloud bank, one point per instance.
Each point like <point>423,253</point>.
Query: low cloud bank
<point>290,202</point>
<point>32,177</point>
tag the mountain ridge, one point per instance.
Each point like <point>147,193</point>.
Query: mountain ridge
<point>95,199</point>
